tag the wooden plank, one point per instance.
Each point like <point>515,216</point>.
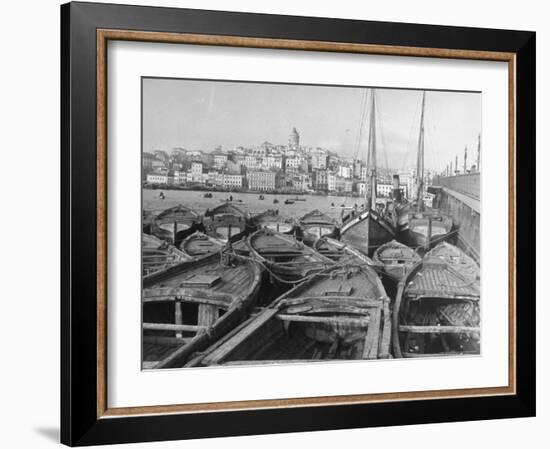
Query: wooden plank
<point>178,317</point>
<point>370,349</point>
<point>438,329</point>
<point>356,301</point>
<point>207,315</point>
<point>229,346</point>
<point>384,346</point>
<point>166,341</point>
<point>171,327</point>
<point>182,292</point>
<point>438,354</point>
<point>323,319</point>
<point>272,362</point>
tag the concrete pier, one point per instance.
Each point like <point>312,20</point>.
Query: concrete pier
<point>459,197</point>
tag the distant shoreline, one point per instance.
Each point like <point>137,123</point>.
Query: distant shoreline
<point>259,192</point>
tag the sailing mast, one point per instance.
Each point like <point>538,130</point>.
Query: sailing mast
<point>420,160</point>
<point>370,188</point>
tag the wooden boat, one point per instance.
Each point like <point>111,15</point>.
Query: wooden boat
<point>367,223</point>
<point>343,253</point>
<point>436,310</point>
<point>275,201</point>
<point>396,259</point>
<point>271,219</point>
<point>199,244</point>
<point>189,306</point>
<point>426,226</point>
<point>174,224</point>
<point>339,314</point>
<point>427,229</point>
<point>287,260</point>
<point>227,222</point>
<point>369,228</point>
<point>289,201</point>
<point>158,255</point>
<point>315,225</point>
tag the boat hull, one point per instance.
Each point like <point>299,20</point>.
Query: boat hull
<point>307,324</point>
<point>355,231</point>
<point>437,309</point>
<point>189,306</point>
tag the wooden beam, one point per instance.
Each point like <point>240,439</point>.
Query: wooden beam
<point>166,341</point>
<point>171,327</point>
<point>439,329</point>
<point>370,349</point>
<point>178,317</point>
<point>323,319</point>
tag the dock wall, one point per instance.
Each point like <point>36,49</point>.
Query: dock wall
<point>458,196</point>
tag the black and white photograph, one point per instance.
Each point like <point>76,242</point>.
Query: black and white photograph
<point>295,223</point>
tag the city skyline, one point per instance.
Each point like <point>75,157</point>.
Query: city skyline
<point>202,115</point>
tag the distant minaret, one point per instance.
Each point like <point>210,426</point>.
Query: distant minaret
<point>478,151</point>
<point>465,159</point>
<point>456,165</point>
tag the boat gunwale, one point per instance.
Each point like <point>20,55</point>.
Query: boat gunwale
<point>401,296</point>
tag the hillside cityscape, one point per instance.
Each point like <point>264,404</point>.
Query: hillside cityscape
<point>270,168</point>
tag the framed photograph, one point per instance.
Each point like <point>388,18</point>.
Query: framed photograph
<point>284,224</point>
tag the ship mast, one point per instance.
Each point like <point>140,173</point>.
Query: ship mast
<point>370,188</point>
<point>420,160</point>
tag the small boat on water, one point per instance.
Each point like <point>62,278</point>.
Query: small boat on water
<point>315,225</point>
<point>396,259</point>
<point>287,260</point>
<point>157,255</point>
<point>208,195</point>
<point>341,313</point>
<point>289,201</point>
<point>227,222</point>
<point>199,244</point>
<point>437,310</point>
<point>261,197</point>
<point>275,201</point>
<point>343,253</point>
<point>271,219</point>
<point>175,223</point>
<point>189,306</point>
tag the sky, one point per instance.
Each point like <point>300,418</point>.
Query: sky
<point>203,114</point>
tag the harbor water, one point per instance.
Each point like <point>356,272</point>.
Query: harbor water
<point>251,202</point>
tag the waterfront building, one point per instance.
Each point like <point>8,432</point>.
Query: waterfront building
<point>331,182</point>
<point>318,159</point>
<point>251,162</point>
<point>295,164</point>
<point>344,171</point>
<point>219,160</point>
<point>196,172</point>
<point>361,188</point>
<point>180,177</point>
<point>272,162</point>
<point>262,180</point>
<point>232,181</point>
<point>343,185</point>
<point>160,178</point>
<point>320,180</point>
